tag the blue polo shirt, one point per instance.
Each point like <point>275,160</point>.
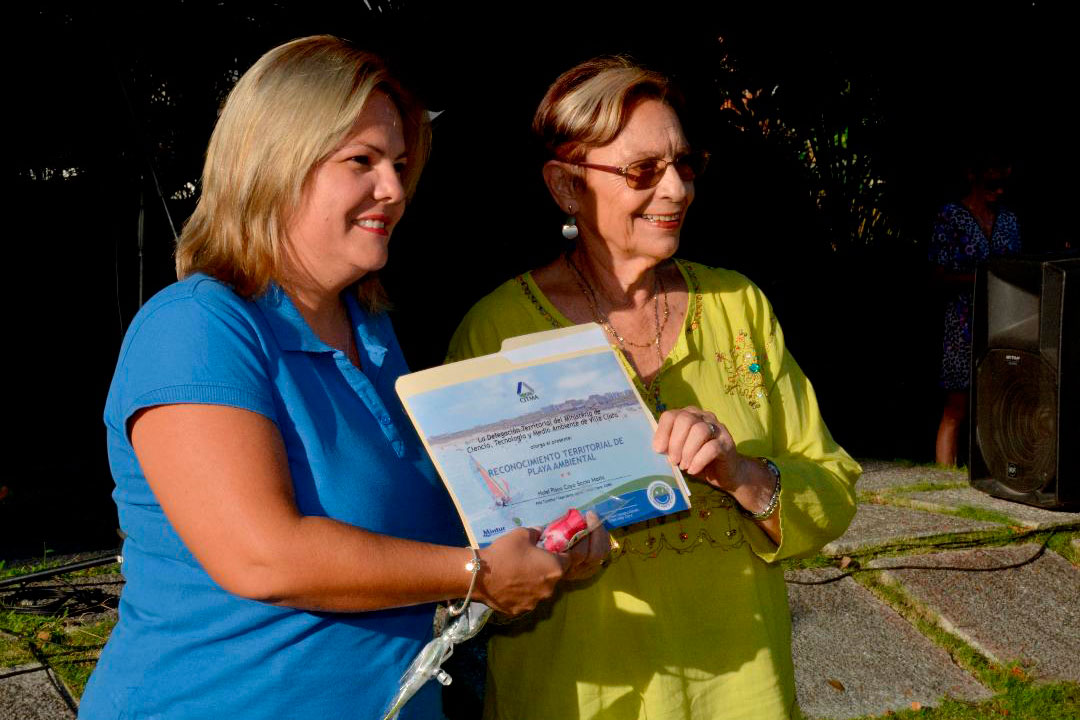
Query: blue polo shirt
<point>185,648</point>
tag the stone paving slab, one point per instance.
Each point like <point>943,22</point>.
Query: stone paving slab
<point>1029,613</point>
<point>1025,515</point>
<point>30,692</point>
<point>879,476</point>
<point>880,524</point>
<point>843,637</point>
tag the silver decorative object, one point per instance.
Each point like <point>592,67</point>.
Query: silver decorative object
<point>428,663</point>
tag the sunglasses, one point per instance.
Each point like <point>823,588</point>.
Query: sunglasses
<point>647,173</point>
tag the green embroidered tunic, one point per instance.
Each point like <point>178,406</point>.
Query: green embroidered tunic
<point>690,621</point>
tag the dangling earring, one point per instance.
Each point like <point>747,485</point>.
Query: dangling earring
<point>569,228</point>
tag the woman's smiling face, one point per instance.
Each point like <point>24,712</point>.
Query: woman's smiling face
<point>637,223</point>
<point>352,200</point>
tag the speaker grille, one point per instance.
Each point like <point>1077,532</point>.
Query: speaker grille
<point>1016,422</point>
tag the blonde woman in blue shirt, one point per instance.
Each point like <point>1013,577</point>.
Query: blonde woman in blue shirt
<point>287,537</point>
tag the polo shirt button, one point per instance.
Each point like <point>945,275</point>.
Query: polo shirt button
<point>385,419</point>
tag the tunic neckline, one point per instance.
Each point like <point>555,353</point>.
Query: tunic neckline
<point>678,352</point>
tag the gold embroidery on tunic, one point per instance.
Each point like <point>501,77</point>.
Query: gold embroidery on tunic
<point>711,521</point>
<point>744,371</point>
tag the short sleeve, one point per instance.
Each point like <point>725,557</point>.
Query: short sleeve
<point>817,498</point>
<point>475,336</point>
<point>498,316</point>
<point>1010,230</point>
<point>197,344</point>
<point>942,246</point>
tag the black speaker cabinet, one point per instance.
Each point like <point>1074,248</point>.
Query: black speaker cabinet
<point>1025,381</point>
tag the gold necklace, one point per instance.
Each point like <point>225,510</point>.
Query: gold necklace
<point>605,322</point>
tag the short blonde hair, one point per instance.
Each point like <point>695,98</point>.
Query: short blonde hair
<point>589,104</point>
<point>285,116</point>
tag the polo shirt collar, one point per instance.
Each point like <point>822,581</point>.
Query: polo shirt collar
<point>293,333</point>
<point>288,325</point>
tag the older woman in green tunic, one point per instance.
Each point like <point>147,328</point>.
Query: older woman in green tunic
<point>690,619</point>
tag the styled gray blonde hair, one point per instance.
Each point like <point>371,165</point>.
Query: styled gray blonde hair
<point>589,104</point>
<point>286,115</point>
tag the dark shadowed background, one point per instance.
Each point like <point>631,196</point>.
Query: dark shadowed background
<point>836,133</point>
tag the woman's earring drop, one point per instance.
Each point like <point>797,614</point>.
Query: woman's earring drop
<point>569,228</point>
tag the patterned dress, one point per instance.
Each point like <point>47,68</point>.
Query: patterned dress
<point>958,245</point>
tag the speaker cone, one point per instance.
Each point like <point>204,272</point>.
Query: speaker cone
<point>1016,422</point>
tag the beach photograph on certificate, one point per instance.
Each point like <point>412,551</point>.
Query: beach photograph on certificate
<point>520,448</point>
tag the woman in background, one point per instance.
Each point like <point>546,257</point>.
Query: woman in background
<point>690,619</point>
<point>966,233</point>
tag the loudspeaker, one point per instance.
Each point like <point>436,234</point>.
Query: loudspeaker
<point>1025,384</point>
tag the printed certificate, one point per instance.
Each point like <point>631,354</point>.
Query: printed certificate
<point>550,422</point>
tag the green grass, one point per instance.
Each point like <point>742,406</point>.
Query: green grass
<point>905,463</point>
<point>810,563</point>
<point>1057,539</point>
<point>919,487</point>
<point>937,543</point>
<point>46,564</point>
<point>25,568</point>
<point>70,647</point>
<point>1061,543</point>
<point>1021,700</point>
<point>111,569</point>
<point>974,513</point>
<point>969,512</point>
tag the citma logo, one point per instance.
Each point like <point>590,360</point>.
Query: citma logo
<point>525,393</point>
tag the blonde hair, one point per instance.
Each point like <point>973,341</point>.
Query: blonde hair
<point>287,113</point>
<point>588,105</point>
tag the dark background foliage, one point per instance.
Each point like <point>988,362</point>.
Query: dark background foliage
<point>836,131</point>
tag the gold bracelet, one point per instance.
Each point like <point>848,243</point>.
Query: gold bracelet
<point>473,566</point>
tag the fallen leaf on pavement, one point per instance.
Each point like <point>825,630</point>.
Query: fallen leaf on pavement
<point>844,562</point>
<point>916,706</point>
<point>836,684</point>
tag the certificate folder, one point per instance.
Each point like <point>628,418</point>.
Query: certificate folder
<point>550,422</point>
